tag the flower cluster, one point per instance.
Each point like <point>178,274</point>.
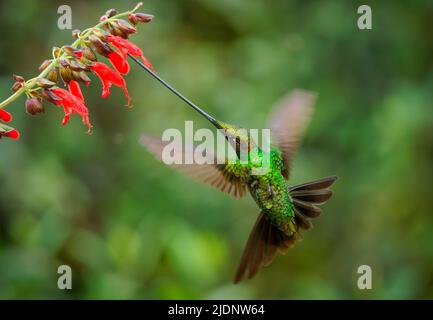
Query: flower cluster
<point>71,65</point>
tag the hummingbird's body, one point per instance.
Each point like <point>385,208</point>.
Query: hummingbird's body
<point>284,210</point>
<point>268,190</point>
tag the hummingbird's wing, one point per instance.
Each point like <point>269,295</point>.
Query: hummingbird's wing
<point>289,121</point>
<point>212,173</point>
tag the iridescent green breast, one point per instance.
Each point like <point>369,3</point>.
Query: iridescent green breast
<point>271,194</point>
<point>267,185</point>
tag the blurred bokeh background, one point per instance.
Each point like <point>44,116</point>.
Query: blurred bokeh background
<point>132,228</point>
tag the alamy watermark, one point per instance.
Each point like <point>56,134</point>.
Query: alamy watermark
<point>228,146</point>
<point>365,20</point>
<point>65,20</point>
<point>64,282</point>
<point>365,279</point>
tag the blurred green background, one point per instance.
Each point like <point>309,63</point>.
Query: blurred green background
<point>131,228</point>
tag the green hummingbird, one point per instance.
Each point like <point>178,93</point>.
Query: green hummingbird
<point>284,209</point>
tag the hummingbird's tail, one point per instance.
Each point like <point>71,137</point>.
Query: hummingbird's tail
<point>307,197</point>
<point>266,240</point>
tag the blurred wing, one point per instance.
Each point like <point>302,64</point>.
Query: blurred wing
<point>213,174</point>
<point>289,121</point>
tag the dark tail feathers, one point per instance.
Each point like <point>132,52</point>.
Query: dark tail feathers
<point>307,197</point>
<point>266,240</point>
<point>262,245</point>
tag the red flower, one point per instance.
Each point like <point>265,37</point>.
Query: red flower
<point>13,134</point>
<point>5,116</point>
<point>73,102</point>
<point>126,47</point>
<point>75,89</point>
<point>119,62</point>
<point>109,77</point>
<point>6,131</point>
<point>79,54</point>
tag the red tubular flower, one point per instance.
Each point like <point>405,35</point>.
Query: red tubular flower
<point>73,102</point>
<point>75,89</point>
<point>79,54</point>
<point>5,116</point>
<point>13,134</point>
<point>6,131</point>
<point>126,47</point>
<point>119,62</point>
<point>72,63</point>
<point>109,77</point>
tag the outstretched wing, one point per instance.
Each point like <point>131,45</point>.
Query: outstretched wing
<point>213,174</point>
<point>289,121</point>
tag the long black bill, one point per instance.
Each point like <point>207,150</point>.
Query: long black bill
<point>177,93</point>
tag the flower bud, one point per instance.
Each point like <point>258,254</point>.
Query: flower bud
<point>99,46</point>
<point>52,75</point>
<point>45,83</point>
<point>110,13</point>
<point>122,28</point>
<point>66,74</point>
<point>16,86</point>
<point>44,65</point>
<point>132,18</point>
<point>77,66</point>
<point>34,106</point>
<point>56,51</point>
<point>81,77</point>
<point>101,34</point>
<point>89,54</point>
<point>116,31</point>
<point>64,62</point>
<point>49,96</point>
<point>143,17</point>
<point>76,33</point>
<point>18,78</point>
<point>125,26</point>
<point>70,51</point>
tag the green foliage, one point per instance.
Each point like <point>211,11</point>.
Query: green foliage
<point>131,228</point>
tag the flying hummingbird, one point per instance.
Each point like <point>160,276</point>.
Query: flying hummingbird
<point>284,209</point>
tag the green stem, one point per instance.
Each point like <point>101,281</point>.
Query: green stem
<point>12,98</point>
<point>32,82</point>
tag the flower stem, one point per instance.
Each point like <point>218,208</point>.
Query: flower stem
<point>29,84</point>
<point>12,98</point>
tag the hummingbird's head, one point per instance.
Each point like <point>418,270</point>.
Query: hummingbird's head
<point>238,138</point>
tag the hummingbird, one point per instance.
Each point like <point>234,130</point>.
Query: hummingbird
<point>284,210</point>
